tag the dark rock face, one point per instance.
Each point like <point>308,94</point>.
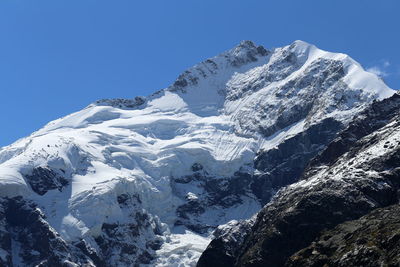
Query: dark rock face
<point>223,248</point>
<point>122,103</point>
<point>373,240</point>
<point>284,164</point>
<point>43,179</point>
<point>344,183</point>
<point>292,221</point>
<point>5,239</point>
<point>28,240</point>
<point>128,242</point>
<point>285,227</point>
<point>377,115</point>
<point>221,192</point>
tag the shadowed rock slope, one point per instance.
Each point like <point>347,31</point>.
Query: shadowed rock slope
<point>372,240</point>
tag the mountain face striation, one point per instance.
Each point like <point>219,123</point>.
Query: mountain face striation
<point>151,180</point>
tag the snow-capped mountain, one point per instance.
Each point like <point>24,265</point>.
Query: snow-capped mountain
<point>141,181</point>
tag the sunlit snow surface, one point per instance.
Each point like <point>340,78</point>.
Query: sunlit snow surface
<point>106,151</point>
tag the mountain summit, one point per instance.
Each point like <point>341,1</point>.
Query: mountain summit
<point>136,181</point>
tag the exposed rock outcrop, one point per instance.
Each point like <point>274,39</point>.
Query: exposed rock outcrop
<point>372,240</point>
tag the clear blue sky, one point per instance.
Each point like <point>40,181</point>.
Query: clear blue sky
<point>57,56</point>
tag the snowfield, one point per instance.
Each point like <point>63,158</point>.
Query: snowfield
<point>214,119</point>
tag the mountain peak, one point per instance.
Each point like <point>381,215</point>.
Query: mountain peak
<point>248,43</point>
<point>207,81</point>
<point>249,46</point>
<point>301,43</point>
<point>246,51</point>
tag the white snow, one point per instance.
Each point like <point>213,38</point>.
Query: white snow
<point>181,249</point>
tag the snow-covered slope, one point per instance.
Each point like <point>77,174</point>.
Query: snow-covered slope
<point>146,180</point>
